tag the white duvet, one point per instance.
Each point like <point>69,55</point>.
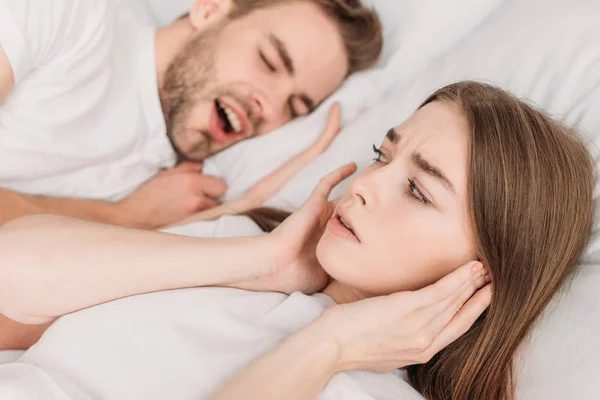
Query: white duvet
<point>546,50</point>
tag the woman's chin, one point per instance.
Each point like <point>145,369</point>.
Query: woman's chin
<point>328,255</point>
<point>336,262</point>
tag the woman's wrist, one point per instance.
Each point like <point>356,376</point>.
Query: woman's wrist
<point>319,337</point>
<point>262,272</point>
<point>298,368</point>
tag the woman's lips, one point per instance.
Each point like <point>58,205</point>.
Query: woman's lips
<point>337,228</point>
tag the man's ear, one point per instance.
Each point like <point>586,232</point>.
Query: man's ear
<point>207,13</point>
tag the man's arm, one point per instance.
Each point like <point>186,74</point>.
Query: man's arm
<point>14,205</point>
<point>168,197</point>
<point>7,79</point>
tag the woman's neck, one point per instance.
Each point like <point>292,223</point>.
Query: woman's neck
<point>342,294</point>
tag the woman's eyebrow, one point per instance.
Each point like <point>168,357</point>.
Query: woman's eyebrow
<point>432,171</point>
<point>423,164</point>
<point>393,136</point>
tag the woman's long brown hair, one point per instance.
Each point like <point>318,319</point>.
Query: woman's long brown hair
<point>530,197</point>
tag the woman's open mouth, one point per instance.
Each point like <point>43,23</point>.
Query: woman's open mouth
<point>341,227</point>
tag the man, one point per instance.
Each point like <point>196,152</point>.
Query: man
<point>94,103</point>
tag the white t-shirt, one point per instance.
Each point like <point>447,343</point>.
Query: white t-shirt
<point>85,118</point>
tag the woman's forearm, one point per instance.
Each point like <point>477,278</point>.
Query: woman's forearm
<point>51,266</point>
<point>296,369</point>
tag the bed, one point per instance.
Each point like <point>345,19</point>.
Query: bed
<point>545,50</point>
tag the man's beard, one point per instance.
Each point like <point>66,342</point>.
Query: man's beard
<point>185,85</point>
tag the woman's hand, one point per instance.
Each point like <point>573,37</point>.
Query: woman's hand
<point>293,244</point>
<point>378,334</point>
<point>272,183</point>
<point>386,333</point>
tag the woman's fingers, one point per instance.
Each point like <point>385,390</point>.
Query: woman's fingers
<point>330,181</point>
<point>463,320</point>
<point>331,130</point>
<point>443,313</point>
<point>272,183</point>
<point>449,285</point>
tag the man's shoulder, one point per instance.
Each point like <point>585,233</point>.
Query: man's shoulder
<point>36,33</point>
<point>46,25</point>
<point>61,11</point>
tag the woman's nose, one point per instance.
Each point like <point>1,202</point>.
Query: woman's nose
<point>359,189</point>
<point>374,186</point>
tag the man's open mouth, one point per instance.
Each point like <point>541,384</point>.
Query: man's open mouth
<point>230,121</point>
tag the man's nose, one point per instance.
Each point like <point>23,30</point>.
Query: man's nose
<point>271,103</point>
<point>262,107</point>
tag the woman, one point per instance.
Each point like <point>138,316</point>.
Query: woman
<point>475,178</point>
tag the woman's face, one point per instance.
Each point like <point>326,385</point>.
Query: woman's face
<point>407,211</point>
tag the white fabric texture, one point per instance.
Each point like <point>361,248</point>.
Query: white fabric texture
<point>85,118</point>
<point>181,344</point>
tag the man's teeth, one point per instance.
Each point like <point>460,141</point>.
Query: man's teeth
<point>234,121</point>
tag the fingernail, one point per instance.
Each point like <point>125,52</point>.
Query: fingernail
<point>476,267</point>
<point>488,277</point>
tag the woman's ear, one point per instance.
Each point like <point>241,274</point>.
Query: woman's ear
<point>207,13</point>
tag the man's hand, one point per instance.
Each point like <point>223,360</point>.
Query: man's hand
<point>171,196</point>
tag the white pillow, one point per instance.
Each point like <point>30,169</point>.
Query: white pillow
<point>167,11</point>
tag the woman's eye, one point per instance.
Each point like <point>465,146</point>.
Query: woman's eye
<point>415,193</point>
<point>379,156</point>
<point>266,61</point>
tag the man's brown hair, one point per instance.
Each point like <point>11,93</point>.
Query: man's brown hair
<point>359,26</point>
